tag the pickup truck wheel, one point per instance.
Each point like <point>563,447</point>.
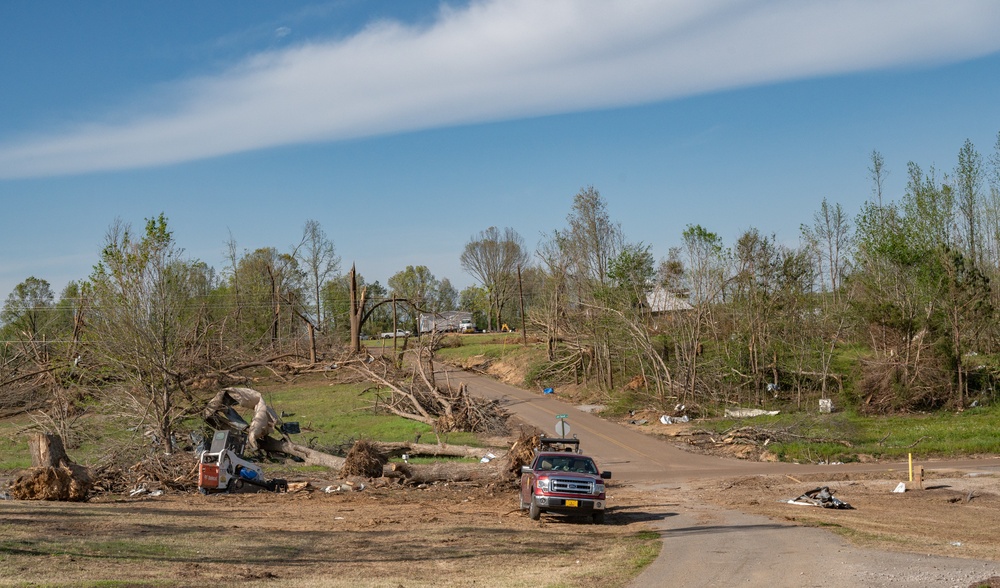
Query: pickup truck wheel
<point>598,517</point>
<point>534,513</point>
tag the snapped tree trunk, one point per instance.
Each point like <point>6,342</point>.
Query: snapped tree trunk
<point>53,475</point>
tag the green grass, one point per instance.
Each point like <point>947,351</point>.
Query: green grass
<point>645,547</point>
<point>490,345</point>
<point>333,414</point>
<point>846,436</point>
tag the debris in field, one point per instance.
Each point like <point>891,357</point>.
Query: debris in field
<point>821,497</point>
<point>220,413</point>
<point>669,420</point>
<point>741,413</point>
<point>118,474</point>
<point>900,488</point>
<point>486,458</point>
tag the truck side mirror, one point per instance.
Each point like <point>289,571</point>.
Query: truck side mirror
<point>525,469</point>
<point>606,475</point>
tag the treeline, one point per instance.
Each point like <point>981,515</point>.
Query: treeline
<point>891,308</point>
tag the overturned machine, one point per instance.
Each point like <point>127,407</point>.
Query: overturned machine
<point>222,467</point>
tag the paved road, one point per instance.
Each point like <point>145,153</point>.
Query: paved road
<point>705,545</point>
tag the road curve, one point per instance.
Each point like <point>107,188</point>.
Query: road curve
<point>704,545</point>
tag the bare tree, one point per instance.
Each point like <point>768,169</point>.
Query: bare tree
<point>829,238</point>
<point>317,255</point>
<point>493,257</point>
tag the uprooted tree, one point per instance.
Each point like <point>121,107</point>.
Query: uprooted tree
<point>414,393</point>
<point>53,475</point>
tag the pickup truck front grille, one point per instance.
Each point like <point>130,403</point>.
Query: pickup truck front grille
<point>571,486</point>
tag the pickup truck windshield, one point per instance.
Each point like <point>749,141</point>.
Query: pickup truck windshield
<point>559,463</point>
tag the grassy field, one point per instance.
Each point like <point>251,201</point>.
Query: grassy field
<point>846,436</point>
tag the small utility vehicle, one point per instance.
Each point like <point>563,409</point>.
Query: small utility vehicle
<point>222,468</point>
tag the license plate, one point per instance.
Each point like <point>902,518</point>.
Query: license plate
<point>572,503</point>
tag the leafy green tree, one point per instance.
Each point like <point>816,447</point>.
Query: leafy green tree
<point>446,298</point>
<point>632,274</point>
<point>267,285</point>
<point>144,324</point>
<point>27,310</point>
<point>965,309</point>
<point>968,188</point>
<point>475,299</point>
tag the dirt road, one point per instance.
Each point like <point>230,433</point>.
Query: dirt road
<point>709,545</point>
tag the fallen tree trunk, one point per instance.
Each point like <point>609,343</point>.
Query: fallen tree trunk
<point>431,449</point>
<point>445,472</point>
<point>309,456</point>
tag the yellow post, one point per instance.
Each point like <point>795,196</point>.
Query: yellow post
<point>910,457</point>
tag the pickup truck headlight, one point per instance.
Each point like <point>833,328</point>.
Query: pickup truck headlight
<point>542,484</point>
<point>598,488</point>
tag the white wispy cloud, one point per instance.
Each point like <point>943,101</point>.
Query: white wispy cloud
<point>504,59</point>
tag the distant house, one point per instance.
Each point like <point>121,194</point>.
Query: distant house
<point>444,321</point>
<point>661,301</point>
<point>664,306</point>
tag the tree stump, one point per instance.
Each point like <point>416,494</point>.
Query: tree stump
<point>53,475</point>
<point>47,451</point>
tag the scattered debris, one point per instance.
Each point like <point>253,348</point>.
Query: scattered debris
<point>669,420</point>
<point>900,488</point>
<point>741,413</point>
<point>821,497</point>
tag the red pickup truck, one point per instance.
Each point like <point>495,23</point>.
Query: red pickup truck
<point>562,480</point>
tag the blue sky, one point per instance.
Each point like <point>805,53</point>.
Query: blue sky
<point>405,128</point>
